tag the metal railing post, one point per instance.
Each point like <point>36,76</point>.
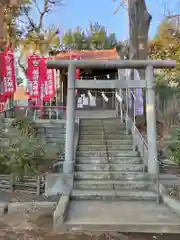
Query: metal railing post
<point>134,123</point>
<point>127,106</point>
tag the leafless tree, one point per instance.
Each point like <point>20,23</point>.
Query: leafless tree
<point>139,23</point>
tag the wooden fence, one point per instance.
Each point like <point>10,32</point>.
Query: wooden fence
<point>29,184</point>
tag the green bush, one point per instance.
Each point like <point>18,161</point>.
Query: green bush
<point>174,145</point>
<point>22,152</point>
<point>26,126</point>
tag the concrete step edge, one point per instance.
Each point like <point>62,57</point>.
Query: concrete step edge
<point>113,159</point>
<point>112,151</point>
<point>106,140</point>
<point>105,145</point>
<point>103,182</point>
<point>135,194</point>
<point>123,174</point>
<point>109,164</point>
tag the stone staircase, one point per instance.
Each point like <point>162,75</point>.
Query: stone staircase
<point>107,168</point>
<point>54,133</point>
<point>111,192</point>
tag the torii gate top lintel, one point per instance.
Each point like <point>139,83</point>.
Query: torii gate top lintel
<point>115,64</point>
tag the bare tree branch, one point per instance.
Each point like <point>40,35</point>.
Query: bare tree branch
<point>42,14</point>
<point>37,7</point>
<point>120,5</point>
<point>21,65</point>
<point>36,35</point>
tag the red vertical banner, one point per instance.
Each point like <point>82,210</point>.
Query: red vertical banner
<point>3,98</point>
<point>8,83</point>
<point>48,76</point>
<point>34,85</point>
<point>42,76</point>
<point>51,81</point>
<point>76,57</point>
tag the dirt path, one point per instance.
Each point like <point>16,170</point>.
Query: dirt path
<point>38,226</point>
<point>41,235</point>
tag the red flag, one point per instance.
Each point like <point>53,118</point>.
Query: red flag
<point>3,98</point>
<point>8,73</point>
<point>76,57</point>
<point>47,80</point>
<point>34,85</point>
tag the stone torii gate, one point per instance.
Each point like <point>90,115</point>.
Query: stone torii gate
<point>148,83</point>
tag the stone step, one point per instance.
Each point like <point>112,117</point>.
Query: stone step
<point>91,134</point>
<point>114,175</point>
<point>102,127</point>
<point>122,154</point>
<point>112,195</point>
<point>115,160</point>
<point>56,145</point>
<point>53,127</point>
<point>109,142</point>
<point>91,123</point>
<point>112,184</point>
<point>102,137</point>
<point>91,147</point>
<point>119,147</point>
<point>110,167</point>
<point>109,134</point>
<point>55,140</point>
<point>60,137</point>
<point>107,122</point>
<point>104,154</point>
<point>103,147</point>
<point>52,133</point>
<point>91,137</point>
<point>114,125</point>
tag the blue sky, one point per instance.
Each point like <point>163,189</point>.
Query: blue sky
<point>80,12</point>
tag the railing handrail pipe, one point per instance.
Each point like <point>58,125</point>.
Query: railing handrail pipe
<point>134,114</point>
<point>157,172</point>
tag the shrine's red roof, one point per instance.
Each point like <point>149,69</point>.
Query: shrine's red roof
<point>88,54</point>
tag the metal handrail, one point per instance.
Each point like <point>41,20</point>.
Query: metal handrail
<point>134,114</point>
<point>76,138</point>
<point>157,173</point>
<point>143,141</point>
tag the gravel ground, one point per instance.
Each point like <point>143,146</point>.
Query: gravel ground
<point>38,226</point>
<point>25,197</point>
<point>40,235</point>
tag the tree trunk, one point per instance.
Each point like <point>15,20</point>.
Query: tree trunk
<point>139,23</point>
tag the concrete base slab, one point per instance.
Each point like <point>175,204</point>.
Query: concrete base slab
<point>60,214</point>
<point>172,203</point>
<point>21,207</point>
<point>121,216</point>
